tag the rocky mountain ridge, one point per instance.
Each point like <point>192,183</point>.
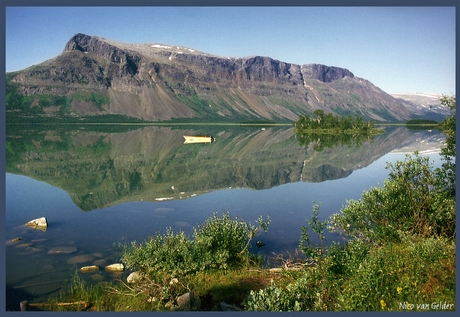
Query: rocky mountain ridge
<point>157,82</point>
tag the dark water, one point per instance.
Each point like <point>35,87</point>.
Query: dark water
<point>101,188</point>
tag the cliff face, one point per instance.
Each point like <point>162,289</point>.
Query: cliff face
<point>324,73</point>
<point>160,82</point>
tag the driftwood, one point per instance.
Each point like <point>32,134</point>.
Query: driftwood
<point>25,304</point>
<point>280,270</point>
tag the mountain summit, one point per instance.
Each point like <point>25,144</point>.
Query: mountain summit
<point>154,82</point>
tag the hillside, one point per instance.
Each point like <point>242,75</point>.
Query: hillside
<point>154,82</point>
<point>425,106</point>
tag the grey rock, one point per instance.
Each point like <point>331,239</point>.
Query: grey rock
<point>188,302</point>
<point>133,277</point>
<point>324,73</point>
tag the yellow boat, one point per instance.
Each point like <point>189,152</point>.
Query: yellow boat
<point>198,139</point>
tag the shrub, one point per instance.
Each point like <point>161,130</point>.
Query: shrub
<point>220,240</point>
<point>408,201</point>
<point>268,299</point>
<point>170,252</point>
<point>218,243</point>
<point>310,250</point>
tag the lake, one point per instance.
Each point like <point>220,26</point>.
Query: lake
<point>98,187</point>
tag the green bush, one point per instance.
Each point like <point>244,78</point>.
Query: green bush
<point>409,201</point>
<point>170,252</point>
<point>413,271</point>
<point>221,240</point>
<point>267,299</point>
<point>218,243</point>
<point>359,277</point>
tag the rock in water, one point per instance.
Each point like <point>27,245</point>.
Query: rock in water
<point>65,250</point>
<point>259,244</point>
<point>117,267</point>
<point>80,259</point>
<point>89,268</point>
<point>39,223</point>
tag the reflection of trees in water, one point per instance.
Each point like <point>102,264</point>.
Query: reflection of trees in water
<point>322,140</point>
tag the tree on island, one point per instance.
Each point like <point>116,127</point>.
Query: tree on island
<point>333,123</point>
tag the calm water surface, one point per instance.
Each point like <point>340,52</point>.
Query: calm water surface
<point>98,189</point>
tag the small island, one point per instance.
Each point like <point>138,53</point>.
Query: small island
<point>330,123</point>
<point>424,124</point>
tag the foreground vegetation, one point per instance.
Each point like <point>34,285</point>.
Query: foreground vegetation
<point>399,254</point>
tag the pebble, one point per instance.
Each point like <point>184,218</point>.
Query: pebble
<point>37,240</point>
<point>64,250</point>
<point>24,245</point>
<point>96,277</point>
<point>100,262</point>
<point>80,259</point>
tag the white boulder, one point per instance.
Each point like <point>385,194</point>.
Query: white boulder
<point>38,223</point>
<point>133,277</point>
<point>117,267</point>
<point>89,268</point>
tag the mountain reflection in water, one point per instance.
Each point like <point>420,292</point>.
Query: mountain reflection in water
<point>101,169</point>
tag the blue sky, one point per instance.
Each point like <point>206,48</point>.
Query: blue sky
<point>399,49</point>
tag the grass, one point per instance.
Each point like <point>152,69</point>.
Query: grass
<point>230,286</point>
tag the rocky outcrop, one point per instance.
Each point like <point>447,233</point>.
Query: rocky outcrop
<point>159,82</point>
<point>324,73</point>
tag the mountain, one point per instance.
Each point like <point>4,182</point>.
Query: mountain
<point>424,106</point>
<point>154,82</point>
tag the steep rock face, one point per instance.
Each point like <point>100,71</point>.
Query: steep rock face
<point>160,82</point>
<point>324,73</point>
